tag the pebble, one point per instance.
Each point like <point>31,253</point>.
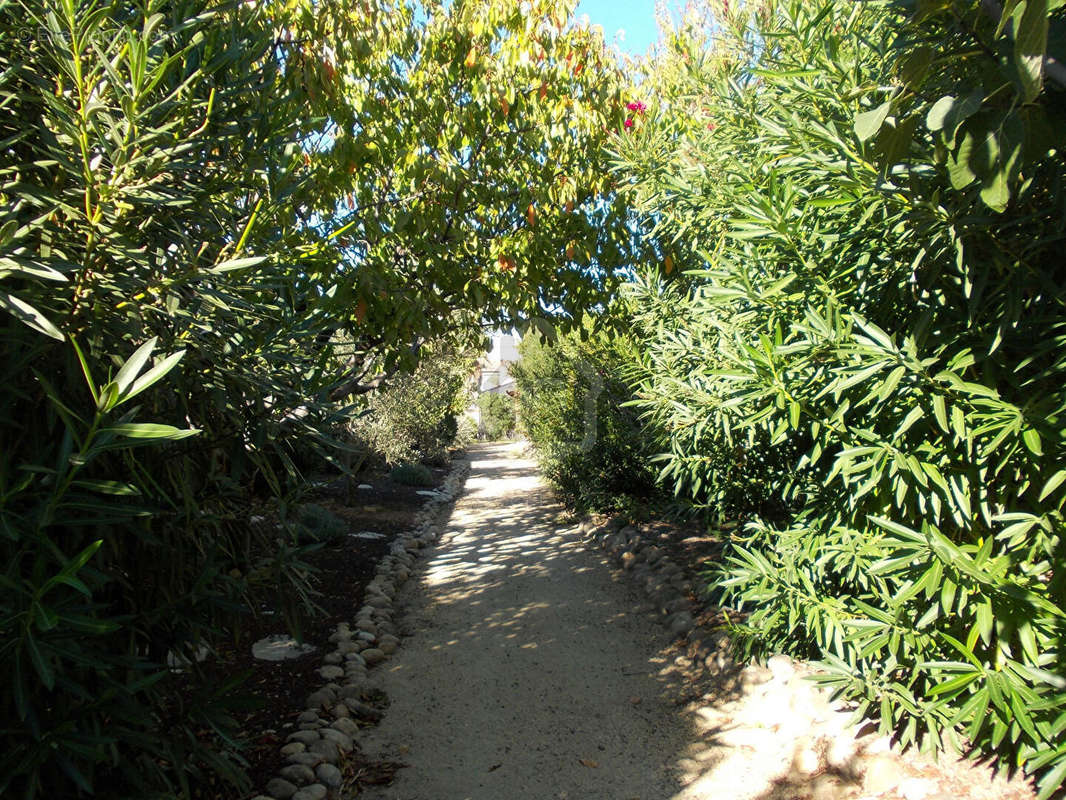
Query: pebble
<point>306,737</point>
<point>840,752</point>
<point>342,740</point>
<point>754,675</point>
<point>882,774</point>
<point>331,672</point>
<point>677,604</point>
<point>307,759</point>
<point>805,760</point>
<point>362,710</point>
<point>346,726</point>
<point>917,788</point>
<point>781,667</point>
<point>316,791</point>
<point>373,656</point>
<point>681,623</point>
<point>280,789</point>
<point>327,749</point>
<point>293,747</point>
<point>329,776</point>
<point>299,774</point>
<point>323,697</point>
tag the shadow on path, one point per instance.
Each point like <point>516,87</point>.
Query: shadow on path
<point>525,675</point>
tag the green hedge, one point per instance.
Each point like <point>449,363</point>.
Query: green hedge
<point>497,415</point>
<point>571,397</point>
<point>863,359</point>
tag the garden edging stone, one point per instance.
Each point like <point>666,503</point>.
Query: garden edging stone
<point>315,753</point>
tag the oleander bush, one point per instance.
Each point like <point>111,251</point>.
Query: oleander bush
<point>572,400</point>
<point>863,360</point>
<point>149,167</point>
<point>223,225</point>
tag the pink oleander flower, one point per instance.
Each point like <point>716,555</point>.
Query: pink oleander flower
<point>629,123</point>
<point>636,106</point>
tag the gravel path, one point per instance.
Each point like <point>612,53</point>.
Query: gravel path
<point>523,674</point>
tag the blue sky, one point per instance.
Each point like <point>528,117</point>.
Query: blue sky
<point>635,17</point>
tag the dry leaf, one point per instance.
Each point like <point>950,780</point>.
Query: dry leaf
<point>588,762</point>
<point>634,700</point>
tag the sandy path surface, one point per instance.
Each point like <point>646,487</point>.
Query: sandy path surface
<point>522,673</point>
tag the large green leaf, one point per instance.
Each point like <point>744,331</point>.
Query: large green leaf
<point>1030,46</point>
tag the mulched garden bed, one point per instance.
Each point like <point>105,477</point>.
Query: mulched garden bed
<point>343,568</point>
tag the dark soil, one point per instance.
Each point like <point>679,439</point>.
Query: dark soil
<point>343,568</point>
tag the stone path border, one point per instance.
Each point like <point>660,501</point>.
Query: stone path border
<point>329,728</point>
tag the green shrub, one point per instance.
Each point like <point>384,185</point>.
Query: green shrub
<point>466,431</point>
<point>320,524</point>
<point>415,417</point>
<point>141,143</point>
<point>497,415</point>
<point>572,402</point>
<point>869,208</point>
<point>412,475</point>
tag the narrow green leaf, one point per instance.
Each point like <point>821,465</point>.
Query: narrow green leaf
<point>156,373</point>
<point>107,487</point>
<point>134,364</point>
<point>149,430</point>
<point>985,621</point>
<point>1032,442</point>
<point>954,684</point>
<point>29,316</point>
<point>1052,780</point>
<point>1054,482</point>
<point>236,263</point>
<point>40,663</point>
<point>85,372</point>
